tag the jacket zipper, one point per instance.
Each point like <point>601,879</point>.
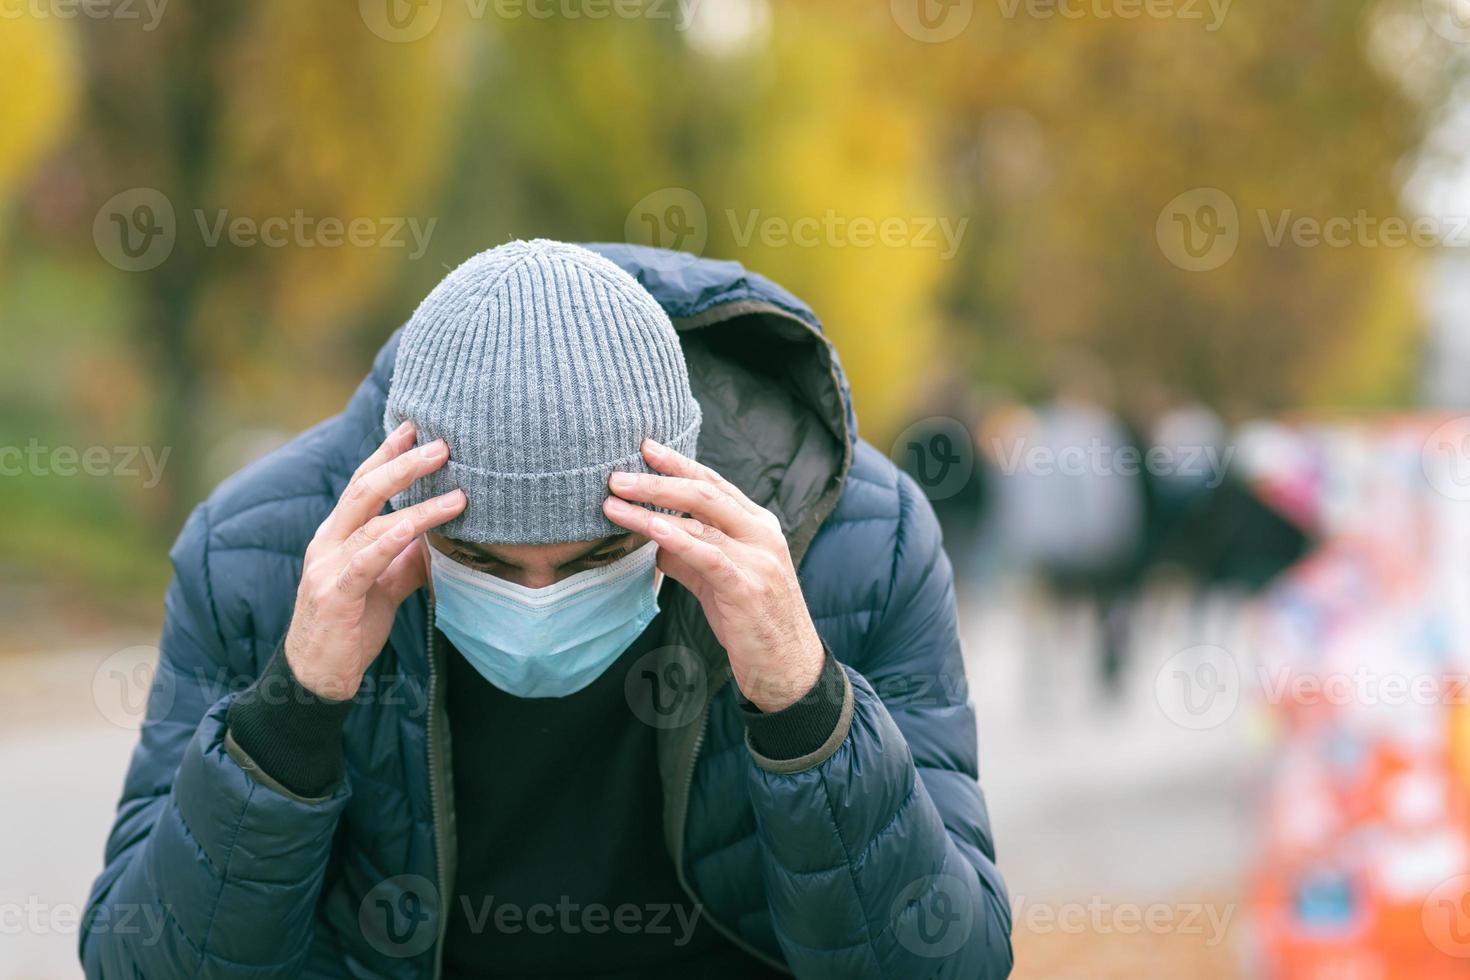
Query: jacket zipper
<point>436,791</point>
<point>686,791</point>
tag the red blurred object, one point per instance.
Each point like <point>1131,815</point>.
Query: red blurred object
<point>1364,867</point>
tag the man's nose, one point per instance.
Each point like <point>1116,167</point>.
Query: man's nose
<point>538,578</point>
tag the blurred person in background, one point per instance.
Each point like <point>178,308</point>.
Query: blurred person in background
<point>1076,508</point>
<point>474,679</point>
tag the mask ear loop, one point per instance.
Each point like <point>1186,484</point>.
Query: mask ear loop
<point>424,547</point>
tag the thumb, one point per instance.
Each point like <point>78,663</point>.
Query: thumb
<point>407,573</point>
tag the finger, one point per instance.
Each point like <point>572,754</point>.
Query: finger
<point>639,520</point>
<point>704,500</point>
<point>361,571</point>
<point>396,442</point>
<point>364,499</point>
<point>405,574</point>
<point>711,565</point>
<point>424,516</point>
<point>674,463</point>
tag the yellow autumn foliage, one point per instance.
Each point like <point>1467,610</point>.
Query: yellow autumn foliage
<point>40,91</point>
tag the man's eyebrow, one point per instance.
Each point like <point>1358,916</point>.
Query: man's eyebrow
<point>597,546</point>
<point>488,551</point>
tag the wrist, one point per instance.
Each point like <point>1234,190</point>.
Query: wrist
<point>804,727</point>
<point>309,672</point>
<point>797,675</point>
<point>289,733</point>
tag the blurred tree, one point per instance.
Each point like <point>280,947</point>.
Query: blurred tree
<point>1049,144</point>
<point>40,90</point>
<point>783,144</point>
<point>298,124</point>
<point>1072,135</point>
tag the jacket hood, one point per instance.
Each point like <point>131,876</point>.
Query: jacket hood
<point>778,417</point>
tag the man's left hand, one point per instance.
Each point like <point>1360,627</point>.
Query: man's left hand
<point>731,553</point>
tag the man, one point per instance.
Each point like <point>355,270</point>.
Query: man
<point>531,692</point>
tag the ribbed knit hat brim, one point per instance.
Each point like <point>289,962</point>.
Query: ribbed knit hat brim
<point>543,366</point>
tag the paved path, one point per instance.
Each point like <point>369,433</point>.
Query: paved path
<point>1091,805</point>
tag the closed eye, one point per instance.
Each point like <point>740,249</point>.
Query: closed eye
<point>479,562</point>
<point>603,557</point>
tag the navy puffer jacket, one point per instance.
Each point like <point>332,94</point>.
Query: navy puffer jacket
<point>870,858</point>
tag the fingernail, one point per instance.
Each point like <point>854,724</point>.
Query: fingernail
<point>652,448</point>
<point>403,427</point>
<point>660,526</point>
<point>622,481</point>
<point>452,500</point>
<point>433,449</point>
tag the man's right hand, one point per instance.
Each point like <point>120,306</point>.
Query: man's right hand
<point>362,564</point>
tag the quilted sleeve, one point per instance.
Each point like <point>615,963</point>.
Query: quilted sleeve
<point>208,872</point>
<point>876,849</point>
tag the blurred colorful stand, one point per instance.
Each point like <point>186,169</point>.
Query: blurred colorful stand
<point>1362,679</point>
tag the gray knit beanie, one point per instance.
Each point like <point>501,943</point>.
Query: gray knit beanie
<point>543,366</point>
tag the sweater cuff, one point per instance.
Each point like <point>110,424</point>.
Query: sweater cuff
<point>290,734</point>
<point>803,726</point>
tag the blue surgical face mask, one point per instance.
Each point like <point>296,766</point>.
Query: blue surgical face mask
<point>551,642</point>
